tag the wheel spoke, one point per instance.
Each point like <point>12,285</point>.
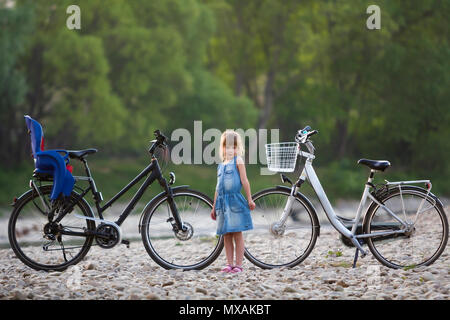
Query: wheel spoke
<point>423,239</point>
<point>191,249</point>
<point>38,243</point>
<point>268,245</point>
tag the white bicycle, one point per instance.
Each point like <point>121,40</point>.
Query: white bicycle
<point>405,226</point>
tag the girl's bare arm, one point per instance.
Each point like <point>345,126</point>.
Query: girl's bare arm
<point>245,184</point>
<point>215,197</point>
<point>213,210</point>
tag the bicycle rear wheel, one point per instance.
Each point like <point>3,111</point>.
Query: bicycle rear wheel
<point>197,247</point>
<point>270,246</point>
<point>37,243</point>
<point>419,246</point>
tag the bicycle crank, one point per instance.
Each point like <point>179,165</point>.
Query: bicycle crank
<point>107,236</point>
<point>114,232</point>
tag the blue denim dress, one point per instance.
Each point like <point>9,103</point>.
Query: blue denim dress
<point>232,211</point>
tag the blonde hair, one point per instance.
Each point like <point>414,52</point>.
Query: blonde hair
<point>230,137</point>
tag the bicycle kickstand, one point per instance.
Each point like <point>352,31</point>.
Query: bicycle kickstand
<point>356,256</point>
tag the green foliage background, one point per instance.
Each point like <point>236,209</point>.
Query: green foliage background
<point>137,66</point>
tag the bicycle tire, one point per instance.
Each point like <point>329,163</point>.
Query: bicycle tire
<point>406,190</point>
<point>12,232</point>
<point>154,242</point>
<point>250,253</point>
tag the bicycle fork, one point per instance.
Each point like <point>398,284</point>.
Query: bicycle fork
<point>278,227</point>
<point>175,219</point>
<point>287,207</point>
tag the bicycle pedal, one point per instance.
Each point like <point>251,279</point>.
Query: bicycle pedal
<point>126,242</point>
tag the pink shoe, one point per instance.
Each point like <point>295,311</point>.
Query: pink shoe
<point>236,269</point>
<point>227,269</point>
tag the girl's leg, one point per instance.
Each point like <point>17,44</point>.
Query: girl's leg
<point>239,243</point>
<point>229,248</point>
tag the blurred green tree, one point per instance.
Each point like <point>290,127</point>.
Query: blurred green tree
<point>131,68</point>
<point>370,93</point>
<point>140,65</point>
<point>16,26</point>
<point>258,47</point>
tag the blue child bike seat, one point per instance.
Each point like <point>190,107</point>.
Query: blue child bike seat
<point>50,161</point>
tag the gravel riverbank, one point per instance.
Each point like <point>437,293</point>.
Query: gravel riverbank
<point>122,273</point>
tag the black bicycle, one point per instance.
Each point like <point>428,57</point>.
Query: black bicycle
<point>175,225</point>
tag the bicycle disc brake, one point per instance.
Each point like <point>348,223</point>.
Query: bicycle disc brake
<point>186,234</point>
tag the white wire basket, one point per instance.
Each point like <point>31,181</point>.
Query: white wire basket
<point>281,157</point>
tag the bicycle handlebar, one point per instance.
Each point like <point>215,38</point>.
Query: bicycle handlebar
<point>306,129</point>
<point>160,141</point>
<point>304,134</point>
<point>160,137</point>
<point>312,133</point>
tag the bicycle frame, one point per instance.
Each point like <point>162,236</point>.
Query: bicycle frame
<point>155,174</point>
<point>310,174</point>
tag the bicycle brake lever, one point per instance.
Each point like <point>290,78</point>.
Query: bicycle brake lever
<point>306,129</point>
<point>284,179</point>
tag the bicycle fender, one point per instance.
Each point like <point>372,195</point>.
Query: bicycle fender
<point>155,198</point>
<point>25,194</point>
<point>18,199</point>
<point>301,195</point>
<point>430,194</point>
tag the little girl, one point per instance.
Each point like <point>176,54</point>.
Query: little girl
<point>230,208</point>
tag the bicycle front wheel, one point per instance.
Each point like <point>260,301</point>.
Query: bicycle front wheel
<point>421,242</point>
<point>271,245</point>
<point>197,247</point>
